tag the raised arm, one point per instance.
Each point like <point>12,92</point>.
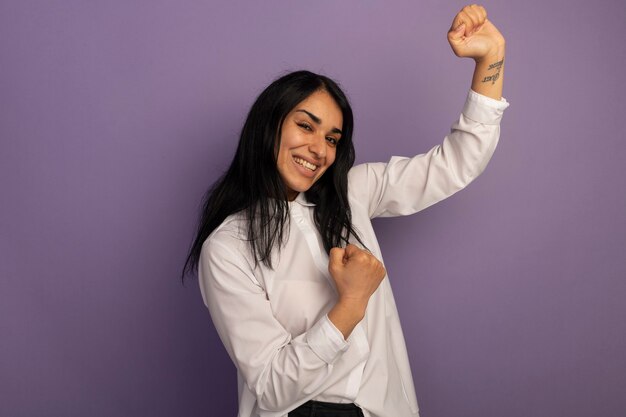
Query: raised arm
<point>407,185</point>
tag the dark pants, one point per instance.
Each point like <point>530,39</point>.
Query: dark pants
<point>322,409</point>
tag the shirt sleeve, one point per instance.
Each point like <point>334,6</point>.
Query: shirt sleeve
<point>282,371</point>
<point>405,186</point>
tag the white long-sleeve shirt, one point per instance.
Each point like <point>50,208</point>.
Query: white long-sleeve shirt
<point>274,323</point>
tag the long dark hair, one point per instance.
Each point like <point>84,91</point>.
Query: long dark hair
<point>252,182</point>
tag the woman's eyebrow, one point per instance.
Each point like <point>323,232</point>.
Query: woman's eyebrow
<point>318,121</point>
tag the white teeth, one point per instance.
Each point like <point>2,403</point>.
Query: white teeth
<point>305,164</point>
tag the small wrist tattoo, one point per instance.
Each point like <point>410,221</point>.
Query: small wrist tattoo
<point>491,78</point>
<point>495,66</point>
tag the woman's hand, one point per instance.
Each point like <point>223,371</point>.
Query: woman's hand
<point>357,274</point>
<point>473,35</point>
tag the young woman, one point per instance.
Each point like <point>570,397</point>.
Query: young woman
<point>288,262</point>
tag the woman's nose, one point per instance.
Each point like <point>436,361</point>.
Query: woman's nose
<point>318,147</point>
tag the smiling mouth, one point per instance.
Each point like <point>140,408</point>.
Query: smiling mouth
<point>305,164</point>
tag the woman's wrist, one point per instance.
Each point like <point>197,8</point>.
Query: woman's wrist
<point>497,51</point>
<point>489,73</point>
<point>346,314</point>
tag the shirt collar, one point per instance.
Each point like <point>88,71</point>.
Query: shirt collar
<point>301,199</point>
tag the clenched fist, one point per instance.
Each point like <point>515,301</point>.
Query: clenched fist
<point>472,35</point>
<point>357,273</point>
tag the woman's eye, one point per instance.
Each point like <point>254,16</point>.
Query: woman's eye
<point>333,141</point>
<point>304,126</point>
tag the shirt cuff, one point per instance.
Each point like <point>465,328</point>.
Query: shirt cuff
<point>483,109</point>
<point>326,340</point>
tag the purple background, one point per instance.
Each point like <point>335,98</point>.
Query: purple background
<point>116,116</point>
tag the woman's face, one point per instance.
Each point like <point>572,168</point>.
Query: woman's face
<point>310,134</point>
